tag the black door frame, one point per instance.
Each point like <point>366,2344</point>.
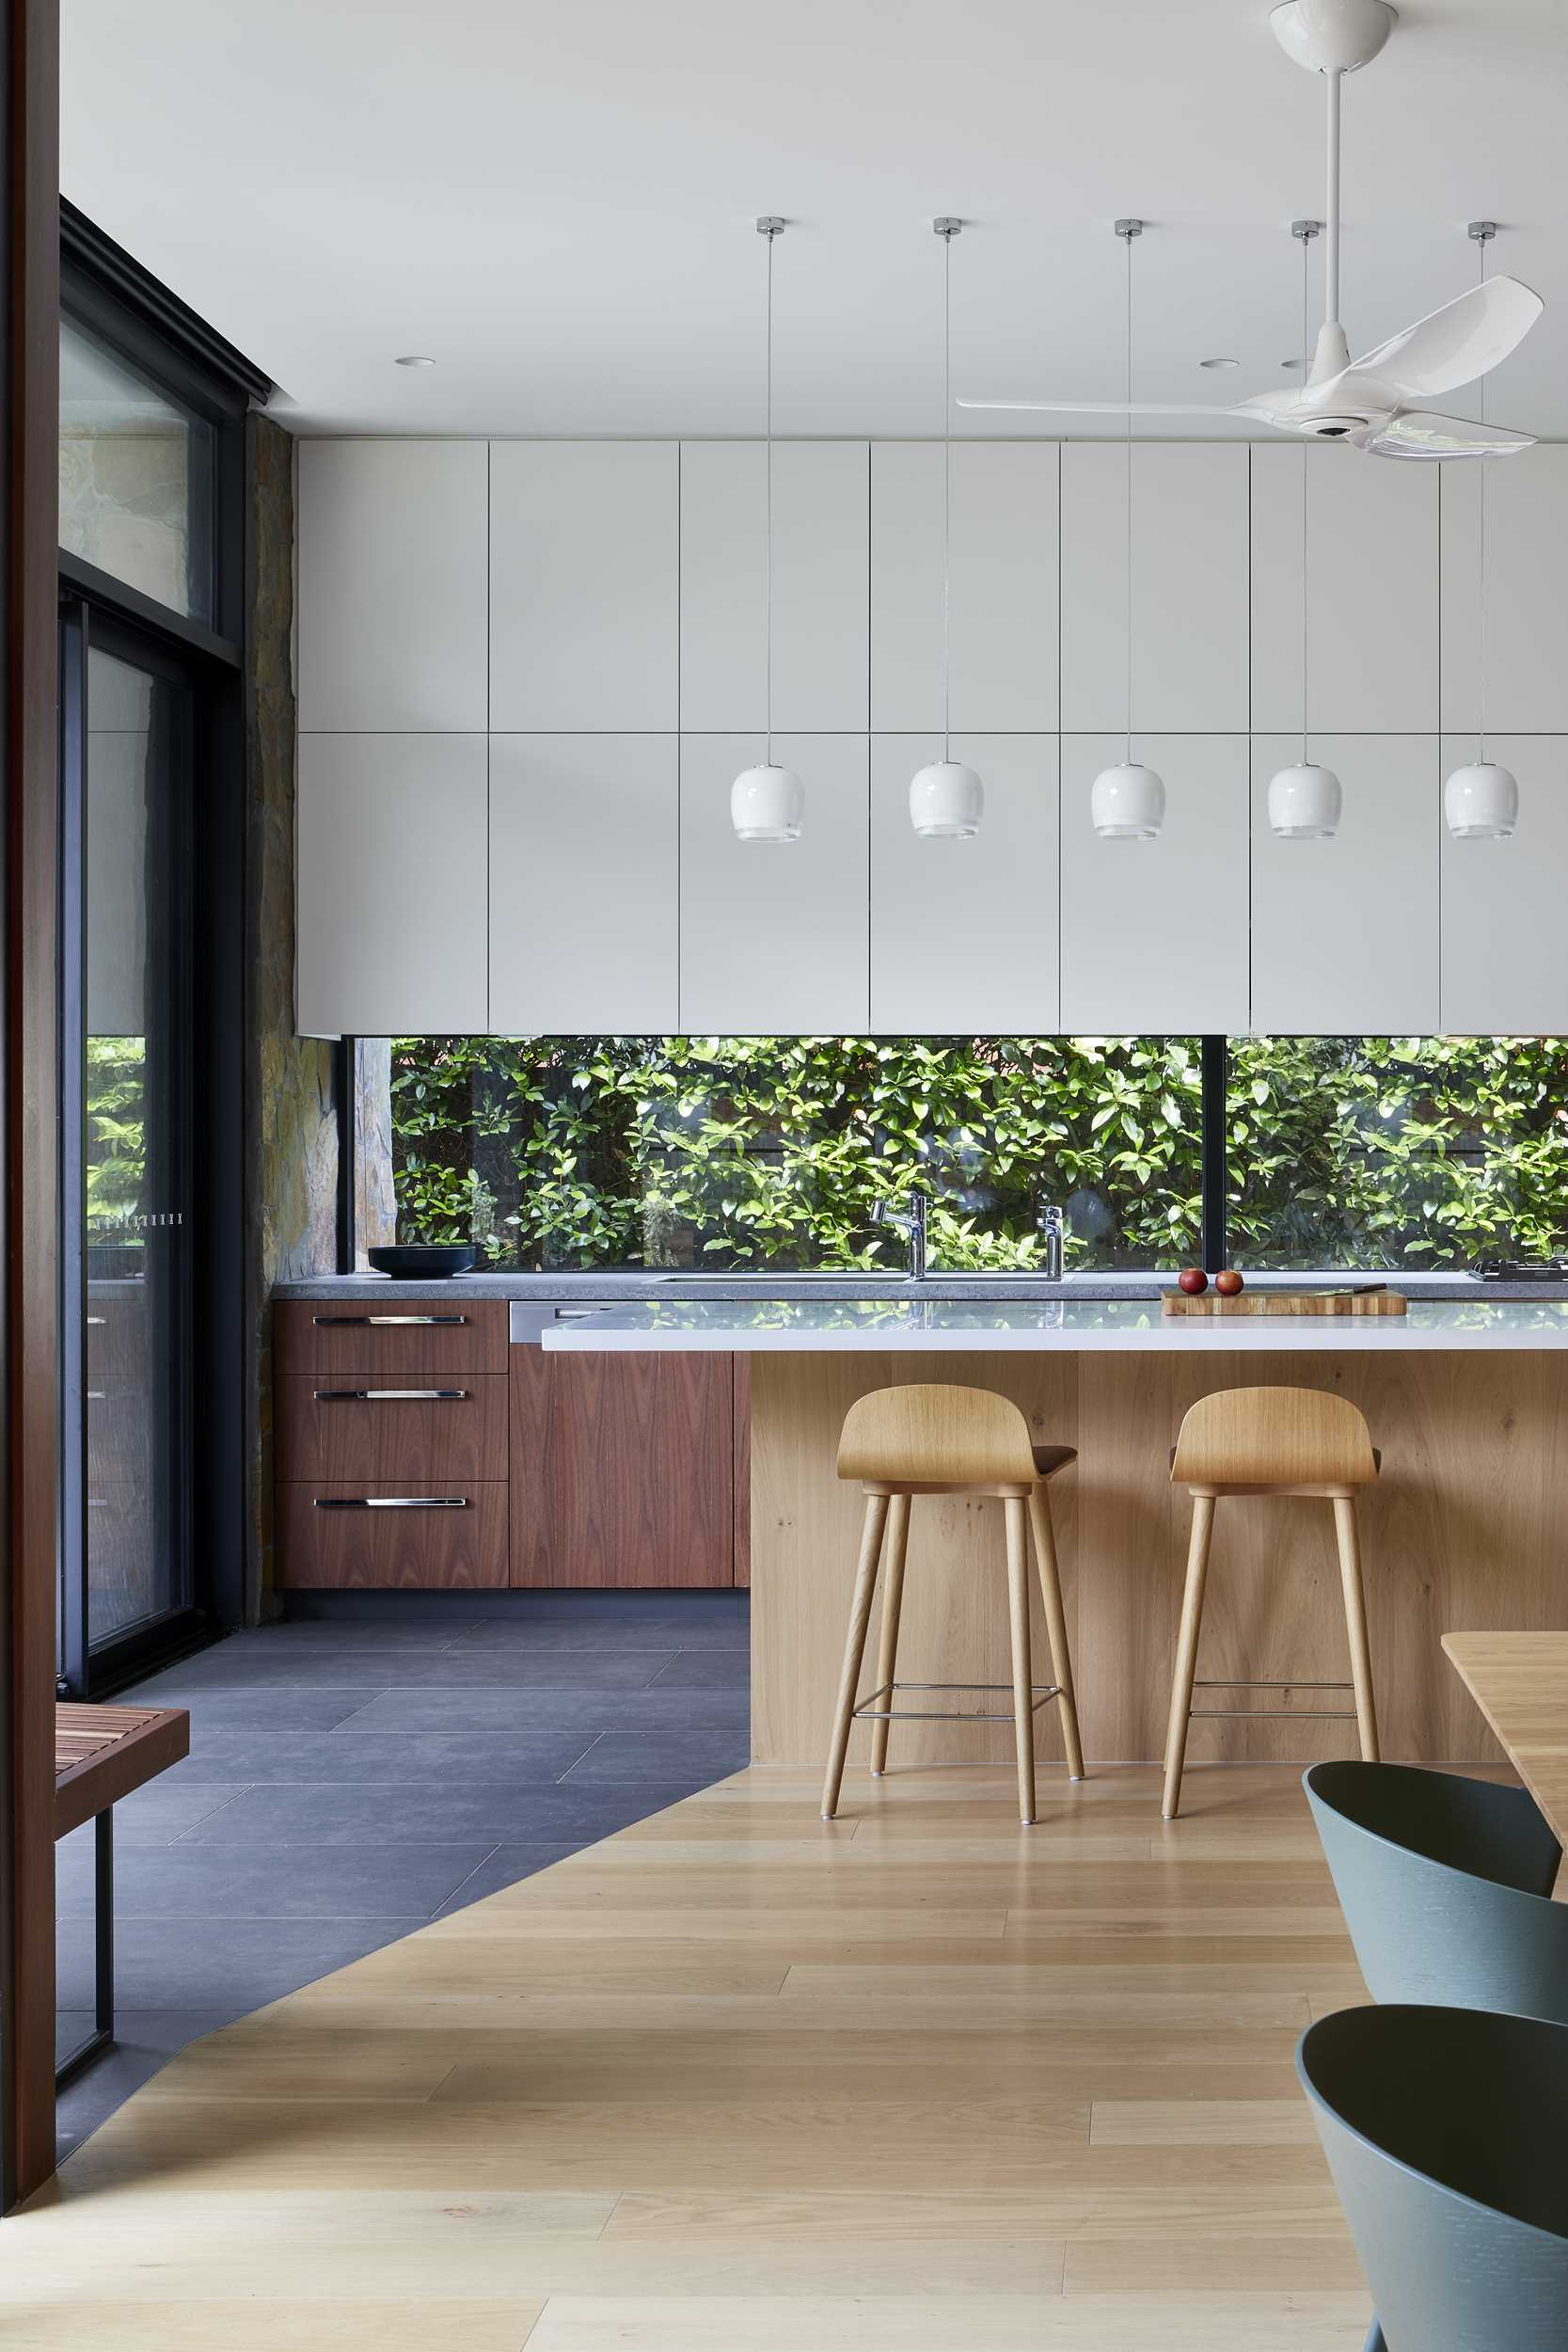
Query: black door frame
<point>106,291</point>
<point>85,1671</point>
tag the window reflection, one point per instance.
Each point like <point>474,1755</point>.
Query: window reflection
<point>135,477</point>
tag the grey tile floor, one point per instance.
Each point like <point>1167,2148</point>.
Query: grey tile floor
<point>352,1777</point>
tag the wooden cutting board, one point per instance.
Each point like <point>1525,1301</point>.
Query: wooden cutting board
<point>1272,1302</point>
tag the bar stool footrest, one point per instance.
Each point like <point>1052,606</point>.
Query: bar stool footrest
<point>866,1709</point>
<point>1274,1714</point>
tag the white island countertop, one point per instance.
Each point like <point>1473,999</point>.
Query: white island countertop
<point>827,1326</point>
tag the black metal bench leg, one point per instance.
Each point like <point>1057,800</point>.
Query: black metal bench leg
<point>103,2033</point>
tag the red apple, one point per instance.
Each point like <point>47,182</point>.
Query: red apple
<point>1192,1279</point>
<point>1227,1282</point>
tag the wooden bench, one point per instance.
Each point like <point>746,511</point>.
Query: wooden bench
<point>101,1755</point>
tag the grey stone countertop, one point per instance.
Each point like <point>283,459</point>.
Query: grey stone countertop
<point>634,1284</point>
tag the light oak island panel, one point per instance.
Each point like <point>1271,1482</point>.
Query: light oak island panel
<point>1462,1529</point>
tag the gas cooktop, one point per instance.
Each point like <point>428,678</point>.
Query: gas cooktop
<point>1522,1270</point>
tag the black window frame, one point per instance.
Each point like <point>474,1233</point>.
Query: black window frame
<point>1214,1054</point>
<point>107,293</point>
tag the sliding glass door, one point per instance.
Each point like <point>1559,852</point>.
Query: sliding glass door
<point>129,738</point>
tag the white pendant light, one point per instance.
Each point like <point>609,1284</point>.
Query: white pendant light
<point>1480,802</point>
<point>767,804</point>
<point>948,800</point>
<point>1128,802</point>
<point>1305,802</point>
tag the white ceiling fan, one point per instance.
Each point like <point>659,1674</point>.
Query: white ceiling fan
<point>1376,403</point>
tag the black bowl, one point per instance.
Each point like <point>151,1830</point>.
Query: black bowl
<point>418,1262</point>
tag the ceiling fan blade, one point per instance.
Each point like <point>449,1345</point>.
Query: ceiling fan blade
<point>1110,408</point>
<point>1420,432</point>
<point>1449,347</point>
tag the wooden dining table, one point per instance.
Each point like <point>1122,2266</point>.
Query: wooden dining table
<point>1520,1683</point>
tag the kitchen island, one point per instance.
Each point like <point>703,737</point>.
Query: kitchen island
<point>1467,1527</point>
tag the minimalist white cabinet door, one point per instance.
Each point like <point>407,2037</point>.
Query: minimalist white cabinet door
<point>1371,644</point>
<point>1505,970</point>
<point>1154,933</point>
<point>963,934</point>
<point>584,586</point>
<point>1189,587</point>
<point>1344,933</point>
<point>1527,593</point>
<point>1001,585</point>
<point>390,899</point>
<point>392,539</point>
<point>583,883</point>
<point>724,586</point>
<point>820,585</point>
<point>774,936</point>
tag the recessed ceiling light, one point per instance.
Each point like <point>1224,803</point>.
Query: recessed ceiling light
<point>1219,363</point>
<point>415,359</point>
<point>1292,363</point>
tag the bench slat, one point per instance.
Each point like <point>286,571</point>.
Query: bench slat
<point>102,1753</point>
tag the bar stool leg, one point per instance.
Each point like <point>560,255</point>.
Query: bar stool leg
<point>1355,1625</point>
<point>1023,1692</point>
<point>892,1602</point>
<point>854,1647</point>
<point>1186,1651</point>
<point>1056,1625</point>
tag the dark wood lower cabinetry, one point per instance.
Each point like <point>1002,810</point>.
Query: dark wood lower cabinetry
<point>628,1471</point>
<point>623,1470</point>
<point>352,1428</point>
<point>357,1535</point>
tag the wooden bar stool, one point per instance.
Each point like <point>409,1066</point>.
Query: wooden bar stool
<point>926,1439</point>
<point>1270,1441</point>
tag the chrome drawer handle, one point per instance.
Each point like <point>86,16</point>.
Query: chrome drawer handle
<point>389,1396</point>
<point>381,1322</point>
<point>391,1502</point>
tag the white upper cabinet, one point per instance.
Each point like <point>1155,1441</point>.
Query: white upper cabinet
<point>1344,933</point>
<point>584,586</point>
<point>1505,969</point>
<point>1154,933</point>
<point>1001,585</point>
<point>1527,591</point>
<point>963,934</point>
<point>820,586</point>
<point>392,586</point>
<point>1371,644</point>
<point>1189,587</point>
<point>774,936</point>
<point>724,585</point>
<point>391,899</point>
<point>583,883</point>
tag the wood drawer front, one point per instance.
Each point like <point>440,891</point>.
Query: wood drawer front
<point>393,1345</point>
<point>345,1429</point>
<point>623,1470</point>
<point>441,1550</point>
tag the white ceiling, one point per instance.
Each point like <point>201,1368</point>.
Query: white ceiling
<point>556,201</point>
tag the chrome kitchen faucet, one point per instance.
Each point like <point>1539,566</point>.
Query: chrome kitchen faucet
<point>911,1221</point>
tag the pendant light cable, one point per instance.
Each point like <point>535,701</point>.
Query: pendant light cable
<point>1308,233</point>
<point>769,229</point>
<point>947,229</point>
<point>1483,241</point>
<point>1126,230</point>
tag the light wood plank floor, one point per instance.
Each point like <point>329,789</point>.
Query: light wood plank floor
<point>735,2081</point>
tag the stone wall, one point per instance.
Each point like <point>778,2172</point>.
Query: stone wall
<point>291,1113</point>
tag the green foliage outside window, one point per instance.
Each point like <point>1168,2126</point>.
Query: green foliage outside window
<point>729,1153</point>
<point>116,1146</point>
